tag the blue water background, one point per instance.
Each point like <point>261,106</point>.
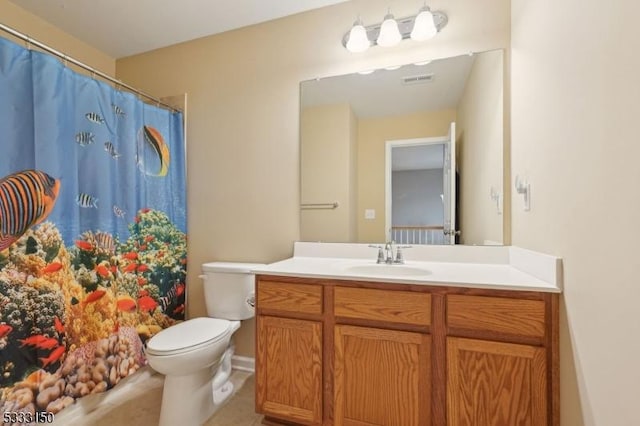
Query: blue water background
<point>43,105</point>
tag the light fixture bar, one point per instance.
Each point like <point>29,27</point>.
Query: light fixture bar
<point>405,25</point>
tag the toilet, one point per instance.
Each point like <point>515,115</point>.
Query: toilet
<point>195,355</point>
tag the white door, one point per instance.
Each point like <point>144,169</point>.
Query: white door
<point>449,183</point>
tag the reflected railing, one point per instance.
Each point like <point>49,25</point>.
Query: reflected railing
<point>430,234</point>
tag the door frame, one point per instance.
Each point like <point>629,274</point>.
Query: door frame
<point>399,143</point>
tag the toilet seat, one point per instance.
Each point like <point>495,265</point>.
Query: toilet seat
<point>188,336</point>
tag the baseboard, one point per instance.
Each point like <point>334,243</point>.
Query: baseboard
<point>243,363</point>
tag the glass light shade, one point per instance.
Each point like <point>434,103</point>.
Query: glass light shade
<point>424,27</point>
<point>358,41</point>
<point>389,32</point>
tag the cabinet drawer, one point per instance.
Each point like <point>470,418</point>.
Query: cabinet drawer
<point>496,314</point>
<point>406,307</point>
<point>289,297</point>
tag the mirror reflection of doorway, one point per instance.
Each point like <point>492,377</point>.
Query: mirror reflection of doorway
<point>420,191</point>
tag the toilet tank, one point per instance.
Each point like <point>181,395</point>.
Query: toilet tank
<point>229,289</point>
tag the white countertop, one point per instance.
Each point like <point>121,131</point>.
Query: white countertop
<point>502,268</point>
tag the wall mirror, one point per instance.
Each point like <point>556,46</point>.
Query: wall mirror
<point>412,154</point>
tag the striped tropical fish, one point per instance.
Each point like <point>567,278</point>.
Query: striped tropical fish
<point>118,211</point>
<point>26,199</point>
<point>172,296</point>
<point>117,110</point>
<point>86,200</point>
<point>108,146</point>
<point>94,117</point>
<point>105,242</point>
<point>84,138</point>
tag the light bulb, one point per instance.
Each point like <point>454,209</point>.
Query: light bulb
<point>358,40</point>
<point>424,26</point>
<point>389,32</point>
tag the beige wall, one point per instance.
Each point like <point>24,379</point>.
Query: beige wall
<point>34,27</point>
<point>575,112</point>
<point>373,133</point>
<point>243,89</point>
<point>574,108</point>
<point>479,127</point>
<point>327,156</point>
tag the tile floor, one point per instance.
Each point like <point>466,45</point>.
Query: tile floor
<point>138,401</point>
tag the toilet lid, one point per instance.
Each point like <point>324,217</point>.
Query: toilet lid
<point>187,334</point>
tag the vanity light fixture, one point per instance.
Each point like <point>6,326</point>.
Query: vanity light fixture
<point>389,34</point>
<point>357,40</point>
<point>423,26</point>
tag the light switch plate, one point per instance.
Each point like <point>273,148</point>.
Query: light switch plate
<point>369,214</point>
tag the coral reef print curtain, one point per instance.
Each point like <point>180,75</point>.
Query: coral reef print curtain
<point>92,232</point>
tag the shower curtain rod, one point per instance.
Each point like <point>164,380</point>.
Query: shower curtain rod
<point>93,71</point>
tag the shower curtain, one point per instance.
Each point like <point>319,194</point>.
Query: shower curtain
<point>92,232</point>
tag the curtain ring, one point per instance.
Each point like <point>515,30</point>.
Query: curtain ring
<point>93,74</point>
<point>65,60</point>
<point>28,44</point>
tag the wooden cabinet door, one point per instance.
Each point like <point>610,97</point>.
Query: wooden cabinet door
<point>495,384</point>
<point>289,369</point>
<point>382,377</point>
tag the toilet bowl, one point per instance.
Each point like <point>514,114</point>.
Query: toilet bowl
<point>190,346</point>
<point>195,355</point>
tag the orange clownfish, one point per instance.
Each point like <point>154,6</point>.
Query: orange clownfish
<point>5,329</point>
<point>126,304</point>
<point>33,340</point>
<point>53,356</point>
<point>84,245</point>
<point>94,295</point>
<point>146,303</point>
<point>52,267</point>
<point>130,268</point>
<point>102,270</point>
<point>132,255</point>
<point>57,324</point>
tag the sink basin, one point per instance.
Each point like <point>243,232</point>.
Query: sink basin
<point>386,270</point>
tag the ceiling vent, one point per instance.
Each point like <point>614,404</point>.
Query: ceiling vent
<point>418,79</point>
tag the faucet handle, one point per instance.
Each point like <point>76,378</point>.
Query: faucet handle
<point>380,252</point>
<point>399,257</point>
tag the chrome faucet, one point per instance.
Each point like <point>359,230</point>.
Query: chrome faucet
<point>385,254</point>
<point>388,253</point>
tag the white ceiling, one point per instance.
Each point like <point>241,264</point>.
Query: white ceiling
<point>383,93</point>
<point>127,27</point>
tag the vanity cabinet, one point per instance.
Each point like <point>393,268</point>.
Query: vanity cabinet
<point>382,357</point>
<point>290,352</point>
<point>381,377</point>
<point>499,375</point>
<point>492,383</point>
<point>338,352</point>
